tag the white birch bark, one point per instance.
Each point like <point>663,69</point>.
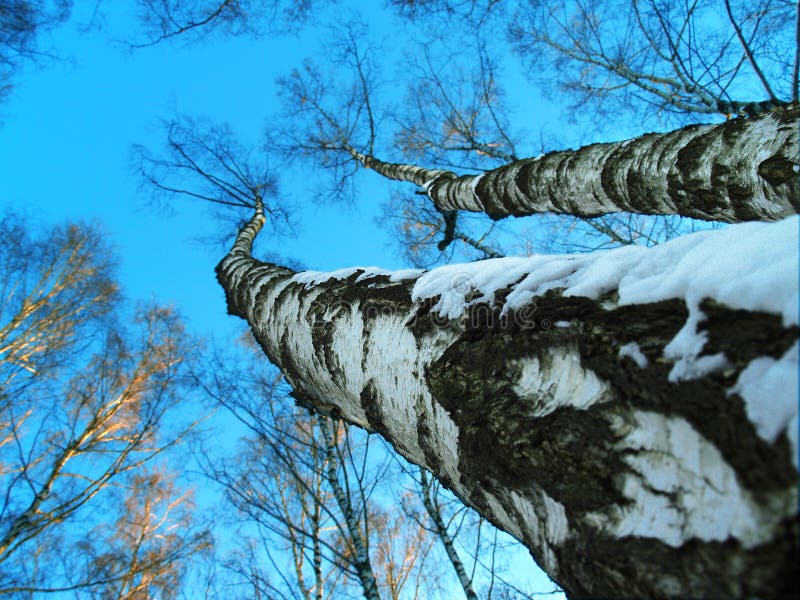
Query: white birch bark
<point>742,170</point>
<point>580,403</point>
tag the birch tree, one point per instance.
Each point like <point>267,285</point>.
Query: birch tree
<point>622,414</point>
<point>743,169</point>
<point>86,408</point>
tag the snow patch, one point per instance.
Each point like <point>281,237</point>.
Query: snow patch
<point>452,283</point>
<point>632,351</point>
<point>404,274</point>
<point>685,348</point>
<point>309,278</point>
<point>751,266</point>
<point>769,389</point>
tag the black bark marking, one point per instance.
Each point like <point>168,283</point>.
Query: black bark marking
<point>372,408</point>
<point>474,381</point>
<point>426,432</point>
<point>777,170</point>
<point>649,568</point>
<point>500,440</point>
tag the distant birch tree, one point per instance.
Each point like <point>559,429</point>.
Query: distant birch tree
<point>311,492</point>
<point>87,409</point>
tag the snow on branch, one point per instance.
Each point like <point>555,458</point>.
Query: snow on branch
<point>516,381</point>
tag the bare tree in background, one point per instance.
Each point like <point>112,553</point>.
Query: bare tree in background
<point>204,161</point>
<point>473,12</point>
<point>209,155</point>
<point>85,405</point>
<point>687,59</point>
<point>144,552</point>
<point>309,488</point>
<point>190,21</point>
<point>323,115</point>
<point>331,122</point>
<point>424,234</point>
<point>21,24</point>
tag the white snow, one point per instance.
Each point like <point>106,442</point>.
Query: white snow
<point>454,282</point>
<point>403,274</point>
<point>685,348</point>
<point>769,389</point>
<point>632,351</point>
<point>751,266</point>
<point>309,278</point>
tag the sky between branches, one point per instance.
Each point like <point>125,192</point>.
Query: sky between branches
<point>70,121</point>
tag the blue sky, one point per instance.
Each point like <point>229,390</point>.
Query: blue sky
<point>65,141</point>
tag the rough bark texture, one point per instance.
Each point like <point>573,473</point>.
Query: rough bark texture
<point>621,482</point>
<point>741,170</point>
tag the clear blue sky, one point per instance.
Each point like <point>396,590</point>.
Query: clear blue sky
<point>65,140</point>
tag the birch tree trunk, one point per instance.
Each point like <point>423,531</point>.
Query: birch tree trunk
<point>640,441</point>
<point>741,170</point>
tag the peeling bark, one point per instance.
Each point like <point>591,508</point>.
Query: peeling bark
<point>621,479</point>
<point>742,170</point>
